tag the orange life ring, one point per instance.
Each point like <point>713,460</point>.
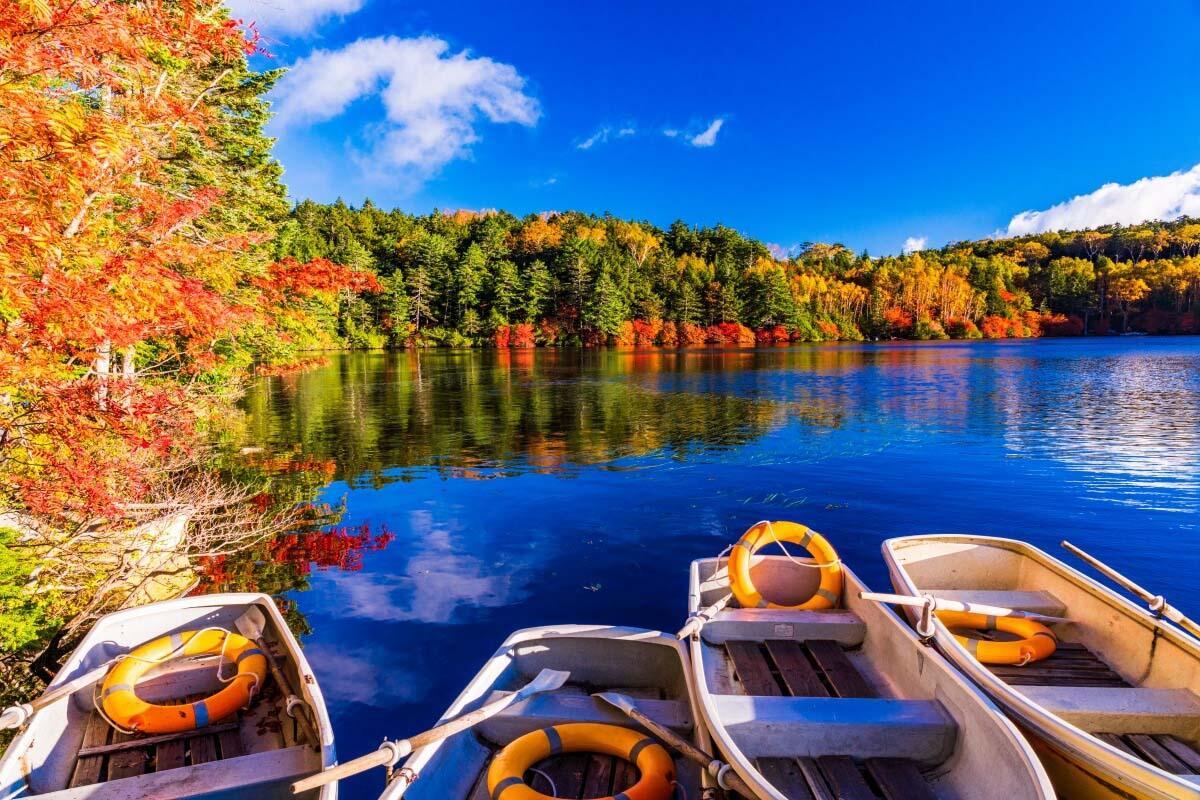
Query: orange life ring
<point>124,708</point>
<point>506,775</point>
<point>1036,643</point>
<point>828,594</point>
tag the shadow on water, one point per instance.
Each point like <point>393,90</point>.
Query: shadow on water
<point>487,491</point>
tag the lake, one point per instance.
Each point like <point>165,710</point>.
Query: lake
<point>496,490</point>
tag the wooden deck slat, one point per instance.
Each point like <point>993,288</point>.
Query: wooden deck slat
<point>785,775</point>
<point>625,775</point>
<point>169,755</point>
<point>798,675</point>
<point>598,780</point>
<point>842,674</point>
<point>202,749</point>
<point>752,669</point>
<point>123,743</point>
<point>1156,754</point>
<point>816,779</point>
<point>898,779</point>
<point>1117,742</point>
<point>125,763</point>
<point>845,779</point>
<point>88,768</point>
<point>230,742</point>
<point>1181,750</point>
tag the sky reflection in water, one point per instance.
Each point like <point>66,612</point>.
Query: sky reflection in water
<point>536,487</point>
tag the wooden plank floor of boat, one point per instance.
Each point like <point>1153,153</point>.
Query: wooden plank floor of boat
<point>107,754</point>
<point>820,668</point>
<point>1073,665</point>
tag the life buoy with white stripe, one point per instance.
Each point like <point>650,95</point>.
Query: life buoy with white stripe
<point>828,594</point>
<point>506,775</point>
<point>122,706</point>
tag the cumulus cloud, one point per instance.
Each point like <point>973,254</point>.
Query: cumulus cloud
<point>1162,197</point>
<point>433,100</point>
<point>914,243</point>
<point>670,133</point>
<point>708,136</point>
<point>290,16</point>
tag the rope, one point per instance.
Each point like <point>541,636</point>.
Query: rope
<point>549,780</point>
<point>814,565</point>
<point>677,786</point>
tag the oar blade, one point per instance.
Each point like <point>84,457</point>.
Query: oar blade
<point>616,699</point>
<point>546,681</point>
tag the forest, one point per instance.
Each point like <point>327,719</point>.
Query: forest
<point>465,278</point>
<point>151,261</point>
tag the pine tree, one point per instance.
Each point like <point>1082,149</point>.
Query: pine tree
<point>536,288</point>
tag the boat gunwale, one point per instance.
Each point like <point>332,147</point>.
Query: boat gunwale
<point>744,765</point>
<point>1056,731</point>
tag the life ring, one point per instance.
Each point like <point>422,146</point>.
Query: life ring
<point>122,706</point>
<point>828,594</point>
<point>506,775</point>
<point>1036,643</point>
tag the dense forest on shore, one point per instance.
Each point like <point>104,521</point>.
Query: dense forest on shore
<point>150,261</point>
<point>489,278</point>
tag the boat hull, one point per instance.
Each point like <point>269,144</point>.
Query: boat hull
<point>1079,764</point>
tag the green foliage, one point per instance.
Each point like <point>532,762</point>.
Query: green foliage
<point>25,617</point>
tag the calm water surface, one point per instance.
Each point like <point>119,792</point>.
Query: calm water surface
<point>540,487</point>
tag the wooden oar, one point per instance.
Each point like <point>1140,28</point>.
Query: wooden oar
<point>16,716</point>
<point>390,752</point>
<point>726,777</point>
<point>252,625</point>
<point>702,618</point>
<point>942,604</point>
<point>1156,602</point>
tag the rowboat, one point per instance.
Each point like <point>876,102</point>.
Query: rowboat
<point>647,666</point>
<point>1113,712</point>
<point>843,702</point>
<point>68,751</point>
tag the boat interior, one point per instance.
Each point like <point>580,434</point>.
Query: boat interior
<point>644,665</point>
<point>71,752</point>
<point>842,702</point>
<point>1114,674</point>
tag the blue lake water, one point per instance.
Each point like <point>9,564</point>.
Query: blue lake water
<point>548,486</point>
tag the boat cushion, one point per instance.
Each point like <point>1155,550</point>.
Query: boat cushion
<point>843,627</point>
<point>1122,710</point>
<point>800,727</point>
<point>557,708</point>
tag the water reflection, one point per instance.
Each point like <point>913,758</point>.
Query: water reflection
<point>488,491</point>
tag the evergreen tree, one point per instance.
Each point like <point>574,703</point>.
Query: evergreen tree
<point>536,288</point>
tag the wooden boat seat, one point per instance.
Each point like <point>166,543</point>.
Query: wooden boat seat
<point>780,727</point>
<point>817,669</point>
<point>1039,602</point>
<point>1122,709</point>
<point>554,708</point>
<point>843,627</point>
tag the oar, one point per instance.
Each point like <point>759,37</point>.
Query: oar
<point>1156,602</point>
<point>251,625</point>
<point>726,777</point>
<point>390,752</point>
<point>942,604</point>
<point>702,618</point>
<point>16,716</point>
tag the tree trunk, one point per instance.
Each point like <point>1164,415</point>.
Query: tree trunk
<point>102,367</point>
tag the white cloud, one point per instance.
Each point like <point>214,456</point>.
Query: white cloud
<point>670,133</point>
<point>708,137</point>
<point>626,132</point>
<point>914,243</point>
<point>599,137</point>
<point>1164,197</point>
<point>433,100</point>
<point>290,16</point>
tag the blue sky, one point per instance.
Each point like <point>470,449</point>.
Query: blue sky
<point>868,123</point>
